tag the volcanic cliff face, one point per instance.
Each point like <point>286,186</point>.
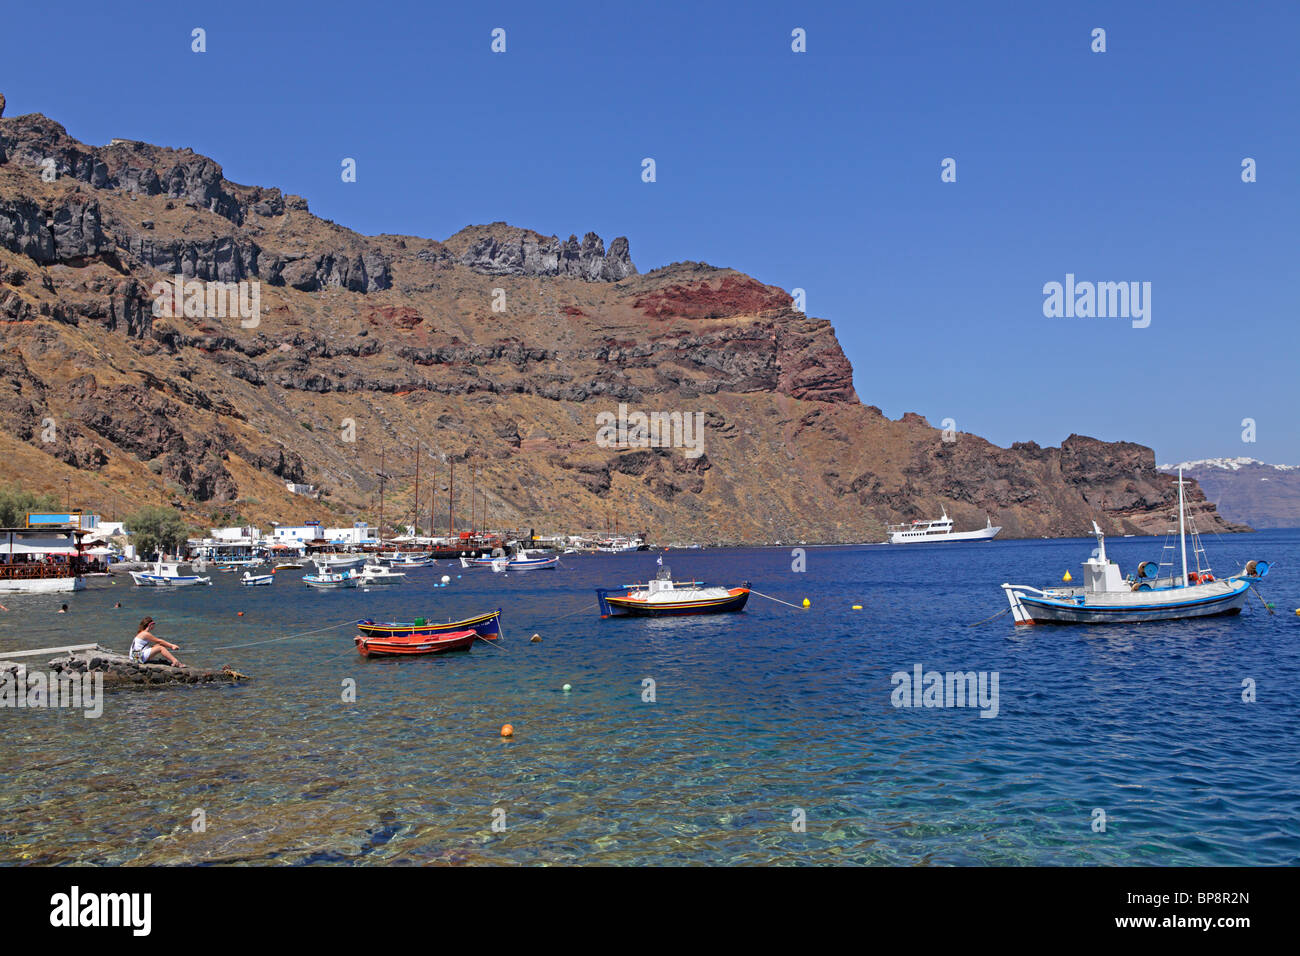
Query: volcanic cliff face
<point>499,349</point>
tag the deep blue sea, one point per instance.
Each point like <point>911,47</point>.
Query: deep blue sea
<point>759,720</point>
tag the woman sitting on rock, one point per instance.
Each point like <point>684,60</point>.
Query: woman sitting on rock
<point>147,646</point>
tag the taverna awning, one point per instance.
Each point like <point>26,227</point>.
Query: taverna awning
<point>39,541</point>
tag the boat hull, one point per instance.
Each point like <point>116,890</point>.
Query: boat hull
<point>41,585</point>
<point>145,580</point>
<point>484,625</point>
<point>414,644</point>
<point>612,605</point>
<point>983,534</point>
<point>1179,604</point>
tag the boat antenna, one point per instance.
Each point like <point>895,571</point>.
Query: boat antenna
<point>1182,531</point>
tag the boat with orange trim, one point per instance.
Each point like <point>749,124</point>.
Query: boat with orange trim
<point>410,644</point>
<point>664,597</point>
<point>485,625</point>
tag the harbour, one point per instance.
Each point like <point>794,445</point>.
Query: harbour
<point>753,714</point>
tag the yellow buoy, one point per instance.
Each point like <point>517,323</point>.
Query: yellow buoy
<point>1066,577</point>
<point>857,607</point>
<point>807,603</point>
<point>507,731</point>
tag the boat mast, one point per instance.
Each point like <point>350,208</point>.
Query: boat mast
<point>416,508</point>
<point>451,502</point>
<point>1182,533</point>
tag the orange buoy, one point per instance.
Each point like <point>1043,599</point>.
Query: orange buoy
<point>507,731</point>
<point>241,613</point>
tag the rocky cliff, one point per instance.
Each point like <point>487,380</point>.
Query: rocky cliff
<point>1248,490</point>
<point>499,349</point>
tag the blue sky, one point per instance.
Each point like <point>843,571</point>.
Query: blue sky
<point>818,170</point>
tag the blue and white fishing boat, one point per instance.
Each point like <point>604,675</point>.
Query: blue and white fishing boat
<point>1108,597</point>
<point>166,575</point>
<point>522,561</point>
<point>332,580</point>
<point>257,580</point>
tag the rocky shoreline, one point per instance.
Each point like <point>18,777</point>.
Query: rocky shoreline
<point>120,671</point>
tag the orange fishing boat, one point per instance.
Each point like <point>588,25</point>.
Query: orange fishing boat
<point>403,644</point>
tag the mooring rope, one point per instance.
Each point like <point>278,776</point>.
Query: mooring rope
<point>330,627</point>
<point>987,619</point>
<point>777,600</point>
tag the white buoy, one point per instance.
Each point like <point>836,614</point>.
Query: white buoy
<point>446,579</point>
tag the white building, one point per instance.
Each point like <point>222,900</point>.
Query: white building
<point>358,534</point>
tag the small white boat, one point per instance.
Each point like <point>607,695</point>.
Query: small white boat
<point>166,575</point>
<point>1108,597</point>
<point>523,562</point>
<point>332,579</point>
<point>327,563</point>
<point>257,580</point>
<point>378,574</point>
<point>938,530</point>
<point>410,561</point>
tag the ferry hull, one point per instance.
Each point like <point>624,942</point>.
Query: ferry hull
<point>983,534</point>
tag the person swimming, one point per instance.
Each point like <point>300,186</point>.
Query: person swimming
<point>146,646</point>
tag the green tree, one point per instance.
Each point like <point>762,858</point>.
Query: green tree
<point>16,502</point>
<point>154,528</point>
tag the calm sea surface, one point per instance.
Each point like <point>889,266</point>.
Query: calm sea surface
<point>756,716</point>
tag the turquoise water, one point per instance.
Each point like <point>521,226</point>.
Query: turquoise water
<point>756,716</point>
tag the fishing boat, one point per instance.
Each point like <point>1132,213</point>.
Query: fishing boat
<point>1108,597</point>
<point>938,530</point>
<point>327,563</point>
<point>482,561</point>
<point>286,566</point>
<point>234,564</point>
<point>410,561</point>
<point>332,579</point>
<point>408,644</point>
<point>522,561</point>
<point>166,575</point>
<point>257,580</point>
<point>485,625</point>
<point>664,597</point>
<point>373,574</point>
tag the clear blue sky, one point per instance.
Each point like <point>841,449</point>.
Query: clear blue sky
<point>816,170</point>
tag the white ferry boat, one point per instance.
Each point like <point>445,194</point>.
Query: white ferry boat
<point>939,529</point>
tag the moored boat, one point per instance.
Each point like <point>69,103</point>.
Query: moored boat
<point>523,561</point>
<point>167,575</point>
<point>332,580</point>
<point>373,574</point>
<point>257,580</point>
<point>485,625</point>
<point>1107,597</point>
<point>409,644</point>
<point>664,597</point>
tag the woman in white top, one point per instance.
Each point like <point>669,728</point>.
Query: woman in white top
<point>147,646</point>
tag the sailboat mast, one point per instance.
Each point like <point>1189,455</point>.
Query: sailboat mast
<point>451,503</point>
<point>1182,534</point>
<point>416,508</point>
